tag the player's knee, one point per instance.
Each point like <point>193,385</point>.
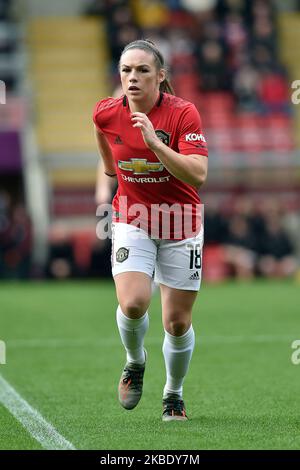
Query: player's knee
<point>134,308</point>
<point>177,327</point>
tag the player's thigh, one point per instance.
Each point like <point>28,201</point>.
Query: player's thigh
<point>177,305</point>
<point>133,292</point>
<point>133,262</point>
<point>132,250</point>
<point>179,264</point>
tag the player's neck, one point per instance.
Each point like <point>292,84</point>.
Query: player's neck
<point>144,106</point>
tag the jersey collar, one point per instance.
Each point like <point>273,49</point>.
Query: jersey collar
<point>157,104</point>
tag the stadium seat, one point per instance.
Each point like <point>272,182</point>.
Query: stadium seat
<point>83,242</point>
<point>67,70</point>
<point>219,100</point>
<point>214,265</point>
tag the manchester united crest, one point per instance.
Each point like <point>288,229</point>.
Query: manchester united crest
<point>163,136</point>
<point>122,254</point>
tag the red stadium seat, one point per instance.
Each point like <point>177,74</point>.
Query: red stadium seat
<point>219,100</point>
<point>82,245</point>
<point>279,120</point>
<point>246,120</point>
<point>214,265</point>
<point>252,140</point>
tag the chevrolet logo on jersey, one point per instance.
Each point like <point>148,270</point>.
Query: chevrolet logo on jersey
<point>140,166</point>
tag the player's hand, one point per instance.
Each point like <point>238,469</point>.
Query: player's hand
<point>141,121</point>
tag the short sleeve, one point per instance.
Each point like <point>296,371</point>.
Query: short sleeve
<point>191,139</point>
<point>96,116</point>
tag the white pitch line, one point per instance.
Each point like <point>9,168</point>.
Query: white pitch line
<point>31,419</point>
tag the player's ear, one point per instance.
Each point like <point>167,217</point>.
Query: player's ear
<point>162,75</point>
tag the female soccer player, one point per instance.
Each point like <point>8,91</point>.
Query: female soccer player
<point>153,143</point>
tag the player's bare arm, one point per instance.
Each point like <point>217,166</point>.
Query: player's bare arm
<point>105,153</point>
<point>191,169</point>
<point>104,185</point>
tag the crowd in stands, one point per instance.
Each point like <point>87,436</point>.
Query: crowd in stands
<point>223,56</point>
<point>249,236</point>
<point>212,45</point>
<point>244,238</point>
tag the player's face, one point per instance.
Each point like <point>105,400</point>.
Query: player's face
<point>140,77</point>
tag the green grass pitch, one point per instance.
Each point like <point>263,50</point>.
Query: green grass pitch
<point>64,357</point>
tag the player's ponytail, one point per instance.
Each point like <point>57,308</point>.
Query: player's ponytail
<point>166,87</point>
<point>149,46</point>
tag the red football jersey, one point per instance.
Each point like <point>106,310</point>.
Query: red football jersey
<point>145,186</point>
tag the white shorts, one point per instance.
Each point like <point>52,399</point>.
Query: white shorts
<point>176,264</point>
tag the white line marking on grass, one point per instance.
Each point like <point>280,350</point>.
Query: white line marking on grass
<point>31,419</point>
<point>101,342</point>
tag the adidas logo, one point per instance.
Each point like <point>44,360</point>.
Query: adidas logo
<point>194,277</point>
<point>118,140</point>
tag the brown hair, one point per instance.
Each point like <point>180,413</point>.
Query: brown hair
<point>149,46</point>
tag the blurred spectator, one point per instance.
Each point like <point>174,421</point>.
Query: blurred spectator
<point>226,6</point>
<point>246,88</point>
<point>60,263</point>
<point>273,92</point>
<point>5,9</point>
<point>122,36</point>
<point>291,225</point>
<point>212,30</point>
<point>262,9</point>
<point>5,208</point>
<point>120,23</point>
<point>5,215</point>
<point>262,57</point>
<point>215,226</point>
<point>121,29</point>
<point>181,45</point>
<point>212,65</point>
<point>100,259</point>
<point>16,245</point>
<point>263,33</point>
<point>240,248</point>
<point>235,35</point>
<point>277,259</point>
<point>158,36</point>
